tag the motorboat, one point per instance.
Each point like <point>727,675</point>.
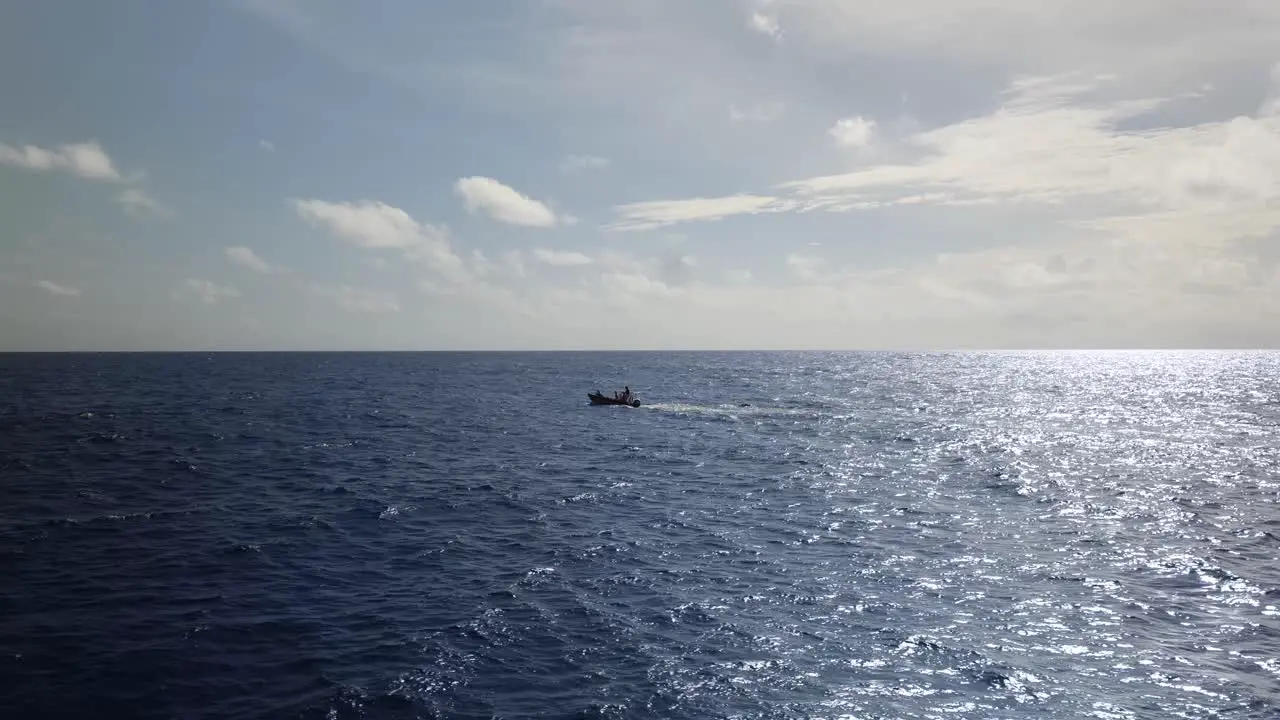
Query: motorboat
<point>622,398</point>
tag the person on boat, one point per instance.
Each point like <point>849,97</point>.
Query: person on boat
<point>626,393</point>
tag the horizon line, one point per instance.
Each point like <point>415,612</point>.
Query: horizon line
<point>440,351</point>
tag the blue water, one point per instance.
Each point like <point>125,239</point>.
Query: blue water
<point>771,535</point>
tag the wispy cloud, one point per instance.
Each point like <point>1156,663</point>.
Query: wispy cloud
<point>87,161</point>
<point>578,163</point>
<point>1153,36</point>
<point>54,288</point>
<point>208,291</point>
<point>502,203</point>
<point>247,258</point>
<point>358,300</point>
<point>138,203</point>
<point>561,258</point>
<point>1016,155</point>
<point>805,267</point>
<point>660,213</point>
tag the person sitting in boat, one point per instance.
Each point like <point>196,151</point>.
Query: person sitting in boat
<point>626,393</point>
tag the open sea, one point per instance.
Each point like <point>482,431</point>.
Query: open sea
<point>770,535</point>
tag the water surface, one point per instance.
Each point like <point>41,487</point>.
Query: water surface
<point>771,535</point>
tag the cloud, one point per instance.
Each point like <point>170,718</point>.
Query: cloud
<point>138,203</point>
<point>677,270</point>
<point>246,257</point>
<point>502,203</point>
<point>208,291</point>
<point>513,262</point>
<point>852,132</point>
<point>1059,177</point>
<point>86,160</point>
<point>562,258</point>
<point>367,223</point>
<point>56,289</point>
<point>1049,145</point>
<point>358,300</point>
<point>765,24</point>
<point>375,225</point>
<point>1151,36</point>
<point>1069,293</point>
<point>660,213</point>
<point>804,267</point>
<point>666,73</point>
<point>576,163</point>
<point>758,113</point>
<point>266,146</point>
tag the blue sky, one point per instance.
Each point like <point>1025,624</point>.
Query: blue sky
<point>258,174</point>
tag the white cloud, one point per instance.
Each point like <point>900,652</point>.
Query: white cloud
<point>765,24</point>
<point>631,286</point>
<point>86,160</point>
<point>208,291</point>
<point>852,132</point>
<point>1047,146</point>
<point>660,213</point>
<point>502,203</point>
<point>266,146</point>
<point>575,163</point>
<point>1040,147</point>
<point>561,258</point>
<point>56,289</point>
<point>368,223</point>
<point>358,300</point>
<point>377,226</point>
<point>246,257</point>
<point>138,203</point>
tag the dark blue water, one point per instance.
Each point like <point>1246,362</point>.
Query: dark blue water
<point>995,535</point>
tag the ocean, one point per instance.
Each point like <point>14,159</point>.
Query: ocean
<point>770,535</point>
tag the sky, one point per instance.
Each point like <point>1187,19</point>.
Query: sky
<point>599,174</point>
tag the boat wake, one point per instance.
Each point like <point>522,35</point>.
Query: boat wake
<point>732,411</point>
